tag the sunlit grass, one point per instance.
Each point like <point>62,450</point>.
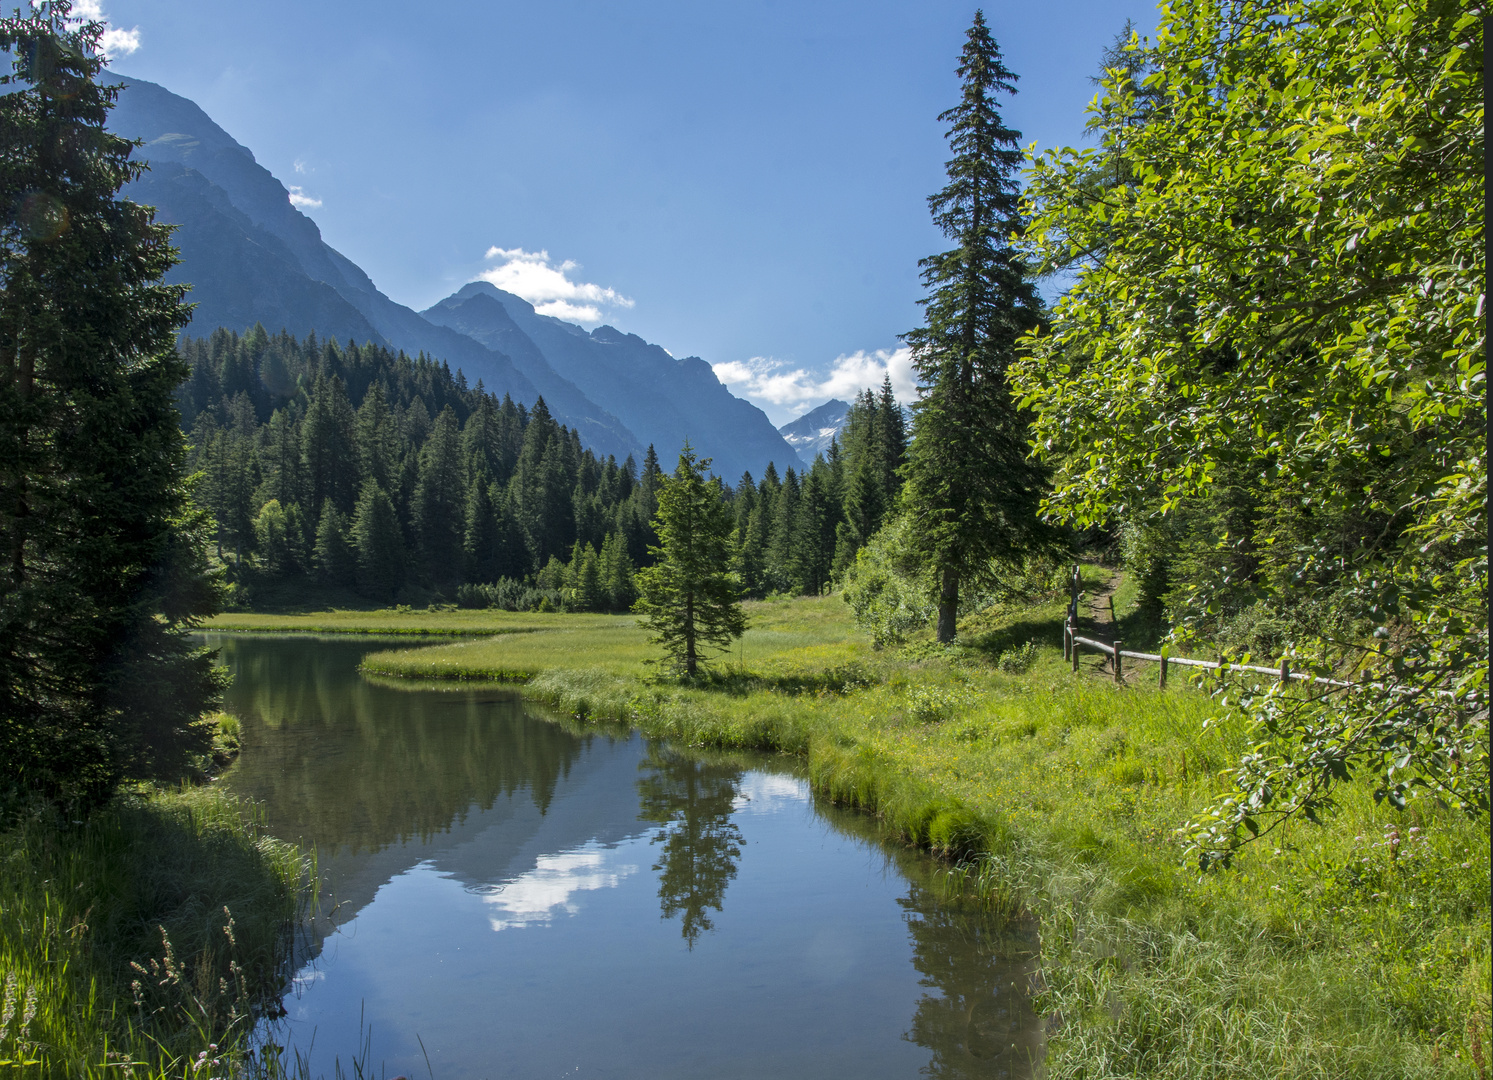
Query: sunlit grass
<point>811,633</point>
<point>412,621</point>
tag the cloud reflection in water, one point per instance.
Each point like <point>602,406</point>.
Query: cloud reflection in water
<point>535,896</point>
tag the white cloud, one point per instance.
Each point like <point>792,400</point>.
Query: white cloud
<point>546,284</point>
<point>536,896</point>
<point>114,42</point>
<point>117,42</point>
<point>764,380</point>
<point>300,200</point>
<point>300,166</point>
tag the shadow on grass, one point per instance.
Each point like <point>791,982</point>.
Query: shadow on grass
<point>161,924</point>
<point>736,682</point>
<point>991,643</point>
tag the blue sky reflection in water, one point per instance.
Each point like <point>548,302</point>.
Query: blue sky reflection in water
<point>534,900</point>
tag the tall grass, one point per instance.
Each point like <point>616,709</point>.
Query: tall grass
<point>442,622</point>
<point>1357,949</point>
<point>142,942</point>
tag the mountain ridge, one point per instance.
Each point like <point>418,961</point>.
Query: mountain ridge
<point>252,256</point>
<point>291,255</point>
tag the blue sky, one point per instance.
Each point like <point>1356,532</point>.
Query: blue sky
<point>744,182</point>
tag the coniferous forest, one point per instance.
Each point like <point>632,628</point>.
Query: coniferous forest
<point>354,467</point>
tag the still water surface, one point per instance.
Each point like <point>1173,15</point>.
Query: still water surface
<point>522,897</point>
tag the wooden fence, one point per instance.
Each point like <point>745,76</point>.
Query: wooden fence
<point>1073,641</point>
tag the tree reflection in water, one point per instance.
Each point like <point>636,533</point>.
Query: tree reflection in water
<point>981,1024</point>
<point>692,799</point>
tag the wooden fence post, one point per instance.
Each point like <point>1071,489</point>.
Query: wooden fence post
<point>1162,682</point>
<point>1118,677</point>
<point>1285,672</point>
<point>1067,636</point>
<point>1074,658</point>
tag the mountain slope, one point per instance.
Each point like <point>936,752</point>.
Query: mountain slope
<point>812,432</point>
<point>662,400</point>
<point>251,256</point>
<point>239,273</point>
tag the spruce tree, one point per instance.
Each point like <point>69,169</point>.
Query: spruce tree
<point>617,574</point>
<point>440,499</point>
<point>971,490</point>
<point>690,599</point>
<point>587,590</point>
<point>102,554</point>
<point>328,446</point>
<point>480,532</point>
<point>779,563</point>
<point>333,556</point>
<point>377,438</point>
<point>380,548</point>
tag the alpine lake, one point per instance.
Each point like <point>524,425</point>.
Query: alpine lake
<point>506,893</point>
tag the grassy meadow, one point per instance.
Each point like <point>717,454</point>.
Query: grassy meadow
<point>445,621</point>
<point>1358,949</point>
<point>144,941</point>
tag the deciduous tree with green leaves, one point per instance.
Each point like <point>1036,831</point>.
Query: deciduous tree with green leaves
<point>1282,265</point>
<point>971,489</point>
<point>690,597</point>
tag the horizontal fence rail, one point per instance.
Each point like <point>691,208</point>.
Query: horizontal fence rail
<point>1072,640</point>
<point>1117,655</point>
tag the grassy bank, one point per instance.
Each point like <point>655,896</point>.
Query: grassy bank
<point>141,939</point>
<point>1359,949</point>
<point>417,622</point>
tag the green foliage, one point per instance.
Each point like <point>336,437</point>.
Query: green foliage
<point>480,489</point>
<point>874,447</point>
<point>334,557</point>
<point>887,587</point>
<point>505,594</point>
<point>104,564</point>
<point>1276,371</point>
<point>971,488</point>
<point>133,943</point>
<point>689,600</point>
<point>379,546</point>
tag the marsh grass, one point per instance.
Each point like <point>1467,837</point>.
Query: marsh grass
<point>412,622</point>
<point>145,941</point>
<point>1356,949</point>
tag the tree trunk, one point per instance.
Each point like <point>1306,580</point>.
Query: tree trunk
<point>690,659</point>
<point>948,604</point>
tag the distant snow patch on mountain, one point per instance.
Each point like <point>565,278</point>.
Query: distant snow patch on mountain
<point>811,434</point>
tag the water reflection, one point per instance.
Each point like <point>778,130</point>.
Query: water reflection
<point>525,897</point>
<point>980,1023</point>
<point>536,896</point>
<point>694,800</point>
<point>349,764</point>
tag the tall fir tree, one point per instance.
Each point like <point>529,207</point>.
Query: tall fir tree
<point>971,490</point>
<point>690,599</point>
<point>380,548</point>
<point>103,552</point>
<point>334,557</point>
<point>440,499</point>
<point>328,446</point>
<point>377,438</point>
